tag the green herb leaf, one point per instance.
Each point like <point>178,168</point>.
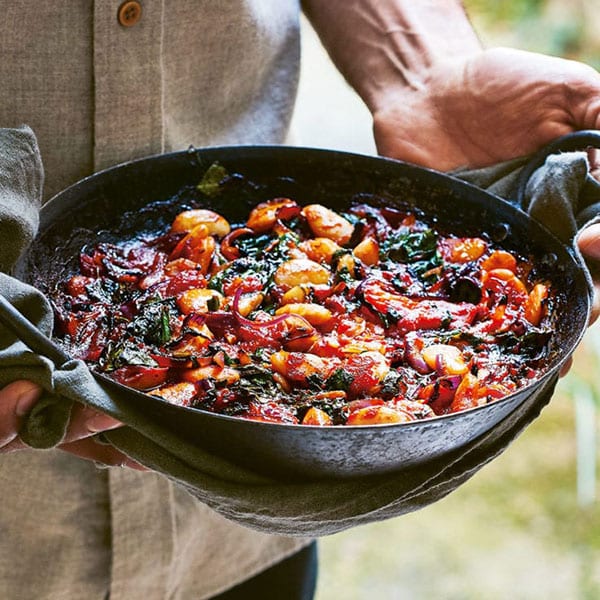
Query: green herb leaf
<point>242,267</point>
<point>340,379</point>
<point>106,290</point>
<point>250,245</point>
<point>390,386</point>
<point>126,353</point>
<point>409,246</point>
<point>388,318</point>
<point>315,380</point>
<point>256,383</point>
<point>212,303</point>
<point>210,185</point>
<point>152,323</point>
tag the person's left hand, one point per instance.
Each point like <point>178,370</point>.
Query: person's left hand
<point>589,238</point>
<point>589,244</point>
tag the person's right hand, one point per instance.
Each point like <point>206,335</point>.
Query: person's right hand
<point>19,397</point>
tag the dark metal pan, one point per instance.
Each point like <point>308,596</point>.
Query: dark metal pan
<point>123,200</point>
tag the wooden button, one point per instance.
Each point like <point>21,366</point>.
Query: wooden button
<point>129,13</point>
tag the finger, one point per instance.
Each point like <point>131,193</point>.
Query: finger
<point>595,310</point>
<point>86,421</point>
<point>105,454</point>
<point>566,367</point>
<point>593,155</point>
<point>589,244</point>
<point>16,444</point>
<point>16,400</point>
<point>589,241</point>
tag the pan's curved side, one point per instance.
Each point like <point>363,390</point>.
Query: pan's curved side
<point>304,452</point>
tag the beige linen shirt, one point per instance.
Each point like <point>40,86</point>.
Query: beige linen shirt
<point>201,72</point>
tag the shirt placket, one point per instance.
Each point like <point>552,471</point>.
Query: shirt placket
<point>128,83</point>
<point>128,123</point>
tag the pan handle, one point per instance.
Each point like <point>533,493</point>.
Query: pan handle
<point>29,334</point>
<point>578,140</point>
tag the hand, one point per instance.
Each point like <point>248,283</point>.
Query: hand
<point>589,239</point>
<point>485,107</point>
<point>589,244</point>
<point>19,397</point>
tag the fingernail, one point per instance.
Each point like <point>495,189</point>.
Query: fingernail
<point>101,422</point>
<point>27,400</point>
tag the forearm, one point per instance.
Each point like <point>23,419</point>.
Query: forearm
<point>380,45</point>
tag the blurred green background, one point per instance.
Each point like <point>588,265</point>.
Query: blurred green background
<point>527,526</point>
<point>566,28</point>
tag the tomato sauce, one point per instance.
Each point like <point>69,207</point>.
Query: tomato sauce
<point>303,315</point>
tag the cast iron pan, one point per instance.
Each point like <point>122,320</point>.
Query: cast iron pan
<point>146,194</point>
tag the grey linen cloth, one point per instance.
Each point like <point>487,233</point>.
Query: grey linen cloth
<point>304,508</point>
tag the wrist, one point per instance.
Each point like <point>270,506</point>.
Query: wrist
<point>389,48</point>
<point>436,83</point>
<point>421,37</point>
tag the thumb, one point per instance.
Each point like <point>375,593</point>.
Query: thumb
<point>589,241</point>
<point>16,400</point>
<point>589,244</point>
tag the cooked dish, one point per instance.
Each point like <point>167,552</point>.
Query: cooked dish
<point>303,315</point>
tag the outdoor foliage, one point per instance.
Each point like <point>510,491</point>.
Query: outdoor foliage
<point>568,29</point>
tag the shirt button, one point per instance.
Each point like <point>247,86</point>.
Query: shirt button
<point>129,13</point>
